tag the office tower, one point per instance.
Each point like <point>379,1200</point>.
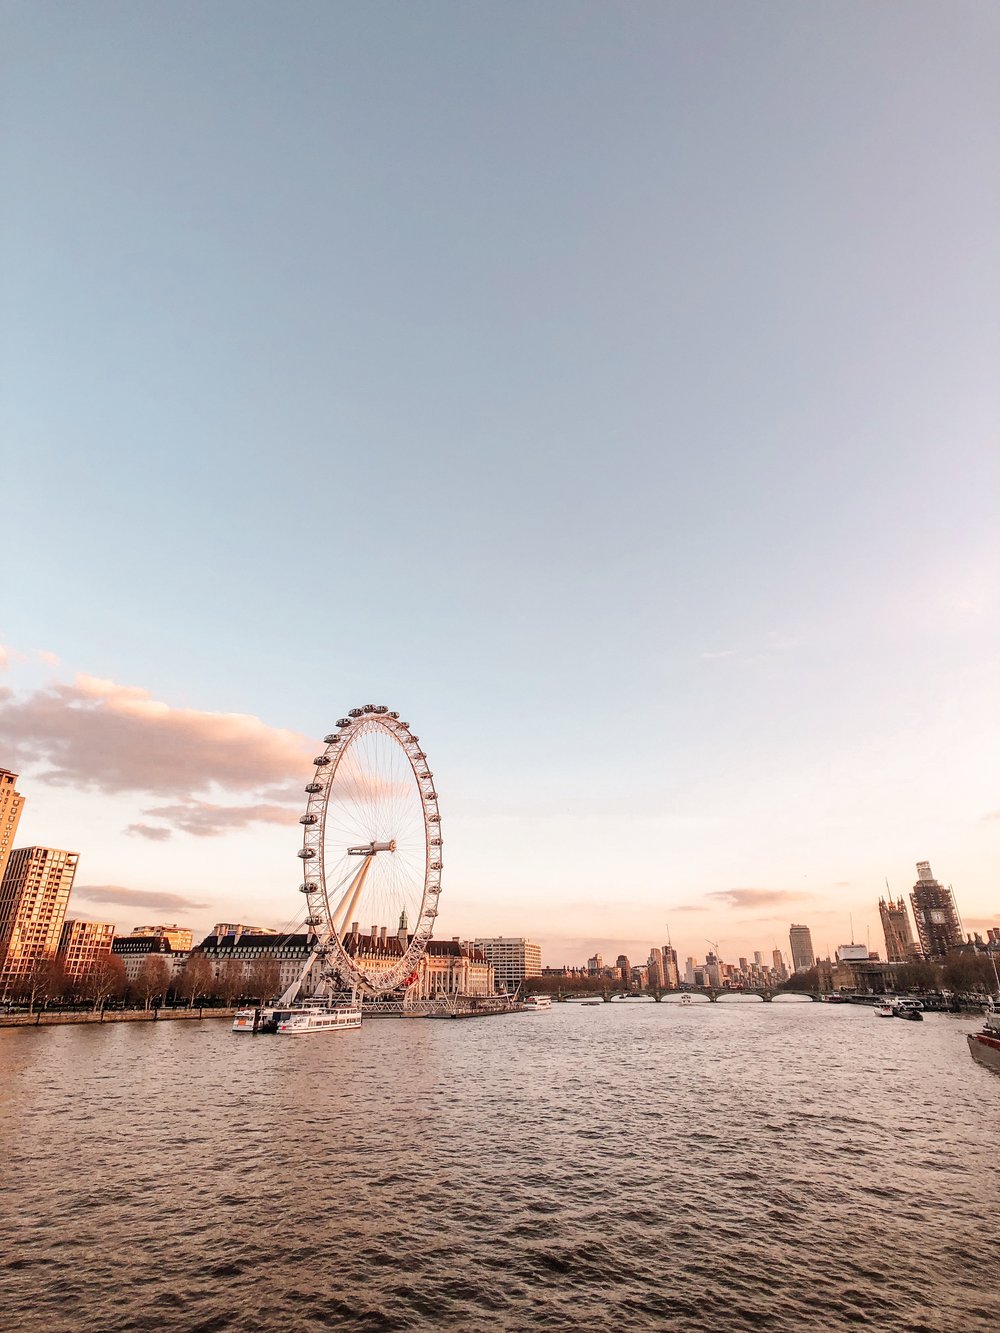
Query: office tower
<point>778,964</point>
<point>900,945</point>
<point>654,967</point>
<point>624,967</point>
<point>595,965</point>
<point>33,898</point>
<point>11,805</point>
<point>758,957</point>
<point>936,915</point>
<point>671,972</point>
<point>689,967</point>
<point>512,959</point>
<point>800,942</point>
<point>82,944</point>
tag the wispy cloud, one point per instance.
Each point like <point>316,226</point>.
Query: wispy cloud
<point>150,831</point>
<point>206,820</point>
<point>752,898</point>
<point>124,897</point>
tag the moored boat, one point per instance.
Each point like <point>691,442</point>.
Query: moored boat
<point>318,1016</point>
<point>984,1046</point>
<point>536,1002</point>
<point>884,1011</point>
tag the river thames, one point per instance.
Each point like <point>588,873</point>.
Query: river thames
<point>785,1166</point>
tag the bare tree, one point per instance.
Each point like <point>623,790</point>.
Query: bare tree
<point>231,980</point>
<point>263,978</point>
<point>45,981</point>
<point>196,979</point>
<point>152,979</point>
<point>105,980</point>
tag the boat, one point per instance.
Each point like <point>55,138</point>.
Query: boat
<point>884,1011</point>
<point>536,1002</point>
<point>911,1009</point>
<point>632,999</point>
<point>318,1015</point>
<point>984,1046</point>
<point>591,1001</point>
<point>686,999</point>
<point>246,1020</point>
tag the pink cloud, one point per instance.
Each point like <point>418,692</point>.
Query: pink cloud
<point>50,659</point>
<point>206,820</point>
<point>117,893</point>
<point>150,831</point>
<point>116,738</point>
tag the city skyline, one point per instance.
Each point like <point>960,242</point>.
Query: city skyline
<point>618,399</point>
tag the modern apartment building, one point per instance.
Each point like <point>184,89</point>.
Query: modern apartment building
<point>134,949</point>
<point>11,805</point>
<point>801,945</point>
<point>82,944</point>
<point>511,959</point>
<point>936,913</point>
<point>34,894</point>
<point>900,946</point>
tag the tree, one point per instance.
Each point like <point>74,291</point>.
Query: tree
<point>105,980</point>
<point>920,975</point>
<point>807,980</point>
<point>43,982</point>
<point>968,973</point>
<point>152,979</point>
<point>230,981</point>
<point>196,979</point>
<point>263,978</point>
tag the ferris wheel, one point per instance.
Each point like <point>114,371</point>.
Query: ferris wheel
<point>371,852</point>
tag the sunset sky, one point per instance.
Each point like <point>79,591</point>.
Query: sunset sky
<point>612,389</point>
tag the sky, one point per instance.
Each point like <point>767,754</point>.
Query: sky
<point>612,389</point>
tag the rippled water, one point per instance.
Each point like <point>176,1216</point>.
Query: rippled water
<point>730,1166</point>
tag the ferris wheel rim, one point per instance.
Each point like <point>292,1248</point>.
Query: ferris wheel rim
<point>359,723</point>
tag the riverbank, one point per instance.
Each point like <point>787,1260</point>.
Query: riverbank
<point>43,1019</point>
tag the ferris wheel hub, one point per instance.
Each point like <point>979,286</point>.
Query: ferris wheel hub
<point>369,849</point>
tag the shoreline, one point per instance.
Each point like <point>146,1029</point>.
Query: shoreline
<point>42,1019</point>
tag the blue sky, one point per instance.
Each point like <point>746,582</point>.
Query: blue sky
<point>610,388</point>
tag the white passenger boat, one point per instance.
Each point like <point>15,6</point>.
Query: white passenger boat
<point>535,1002</point>
<point>318,1016</point>
<point>884,1011</point>
<point>246,1020</point>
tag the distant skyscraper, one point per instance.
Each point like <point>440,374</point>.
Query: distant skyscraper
<point>936,914</point>
<point>33,899</point>
<point>800,942</point>
<point>595,965</point>
<point>11,805</point>
<point>758,957</point>
<point>655,967</point>
<point>624,967</point>
<point>671,973</point>
<point>900,945</point>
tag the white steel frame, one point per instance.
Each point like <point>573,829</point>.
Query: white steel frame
<point>330,917</point>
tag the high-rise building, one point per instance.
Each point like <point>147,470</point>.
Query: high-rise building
<point>11,805</point>
<point>512,959</point>
<point>758,957</point>
<point>671,975</point>
<point>595,965</point>
<point>179,939</point>
<point>654,967</point>
<point>801,945</point>
<point>936,913</point>
<point>900,946</point>
<point>33,898</point>
<point>82,944</point>
<point>624,968</point>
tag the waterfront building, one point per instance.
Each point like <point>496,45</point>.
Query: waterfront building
<point>178,937</point>
<point>33,898</point>
<point>936,915</point>
<point>226,928</point>
<point>595,965</point>
<point>82,945</point>
<point>900,946</point>
<point>11,806</point>
<point>134,949</point>
<point>801,945</point>
<point>512,959</point>
<point>247,946</point>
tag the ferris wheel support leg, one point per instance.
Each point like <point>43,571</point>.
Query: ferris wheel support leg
<point>343,913</point>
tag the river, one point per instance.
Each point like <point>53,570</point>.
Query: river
<point>731,1166</point>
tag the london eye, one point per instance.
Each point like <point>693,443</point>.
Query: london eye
<point>371,853</point>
